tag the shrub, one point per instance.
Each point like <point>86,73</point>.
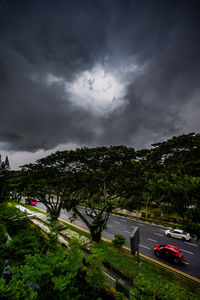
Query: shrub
<point>156,287</point>
<point>25,242</point>
<point>118,241</point>
<point>95,275</point>
<point>15,290</point>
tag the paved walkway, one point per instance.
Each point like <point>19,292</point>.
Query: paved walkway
<point>42,221</point>
<point>32,213</point>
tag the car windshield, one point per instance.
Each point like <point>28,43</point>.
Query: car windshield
<point>161,246</point>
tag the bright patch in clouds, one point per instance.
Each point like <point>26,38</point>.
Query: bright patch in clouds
<point>97,90</point>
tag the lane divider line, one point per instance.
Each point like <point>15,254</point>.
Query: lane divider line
<point>187,251</point>
<point>191,244</point>
<point>152,240</point>
<point>145,247</point>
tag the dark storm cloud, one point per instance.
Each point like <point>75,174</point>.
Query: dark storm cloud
<point>64,38</point>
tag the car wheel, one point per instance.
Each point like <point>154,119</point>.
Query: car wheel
<point>157,253</point>
<point>169,235</point>
<point>183,239</point>
<point>176,260</point>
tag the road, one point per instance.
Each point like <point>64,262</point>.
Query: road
<point>149,236</point>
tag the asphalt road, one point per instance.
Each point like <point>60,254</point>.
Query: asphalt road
<point>150,235</point>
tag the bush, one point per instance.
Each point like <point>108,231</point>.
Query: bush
<point>95,275</point>
<point>25,242</point>
<point>15,290</point>
<point>156,287</point>
<point>118,241</point>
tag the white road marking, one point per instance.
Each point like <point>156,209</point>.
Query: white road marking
<point>109,226</point>
<point>162,229</point>
<point>127,231</point>
<point>152,240</point>
<point>123,220</point>
<point>144,247</point>
<point>158,234</point>
<point>187,251</point>
<point>140,224</point>
<point>185,262</point>
<point>117,222</point>
<point>191,244</point>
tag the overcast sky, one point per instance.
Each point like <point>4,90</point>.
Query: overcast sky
<point>89,73</point>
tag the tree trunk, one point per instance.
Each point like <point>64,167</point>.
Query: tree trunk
<point>95,233</point>
<point>147,205</point>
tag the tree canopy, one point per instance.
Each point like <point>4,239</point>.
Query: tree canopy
<point>97,180</point>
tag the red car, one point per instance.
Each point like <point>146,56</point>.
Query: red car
<point>31,201</point>
<point>170,252</point>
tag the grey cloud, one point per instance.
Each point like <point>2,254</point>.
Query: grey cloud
<point>68,37</point>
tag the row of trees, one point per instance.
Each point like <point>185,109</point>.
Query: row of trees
<point>167,175</point>
<point>172,172</point>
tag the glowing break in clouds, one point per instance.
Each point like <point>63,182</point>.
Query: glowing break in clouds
<point>97,90</point>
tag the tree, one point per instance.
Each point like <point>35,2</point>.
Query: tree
<point>18,183</point>
<point>4,176</point>
<point>44,181</point>
<point>93,178</point>
<point>101,176</point>
<point>182,152</point>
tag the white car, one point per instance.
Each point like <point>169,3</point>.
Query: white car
<point>91,213</point>
<point>178,233</point>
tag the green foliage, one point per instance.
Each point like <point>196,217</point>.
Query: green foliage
<point>54,272</point>
<point>119,261</point>
<point>25,237</point>
<point>119,240</point>
<point>15,290</point>
<point>23,243</point>
<point>2,266</point>
<point>3,235</point>
<point>8,211</point>
<point>153,286</point>
<point>95,276</point>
